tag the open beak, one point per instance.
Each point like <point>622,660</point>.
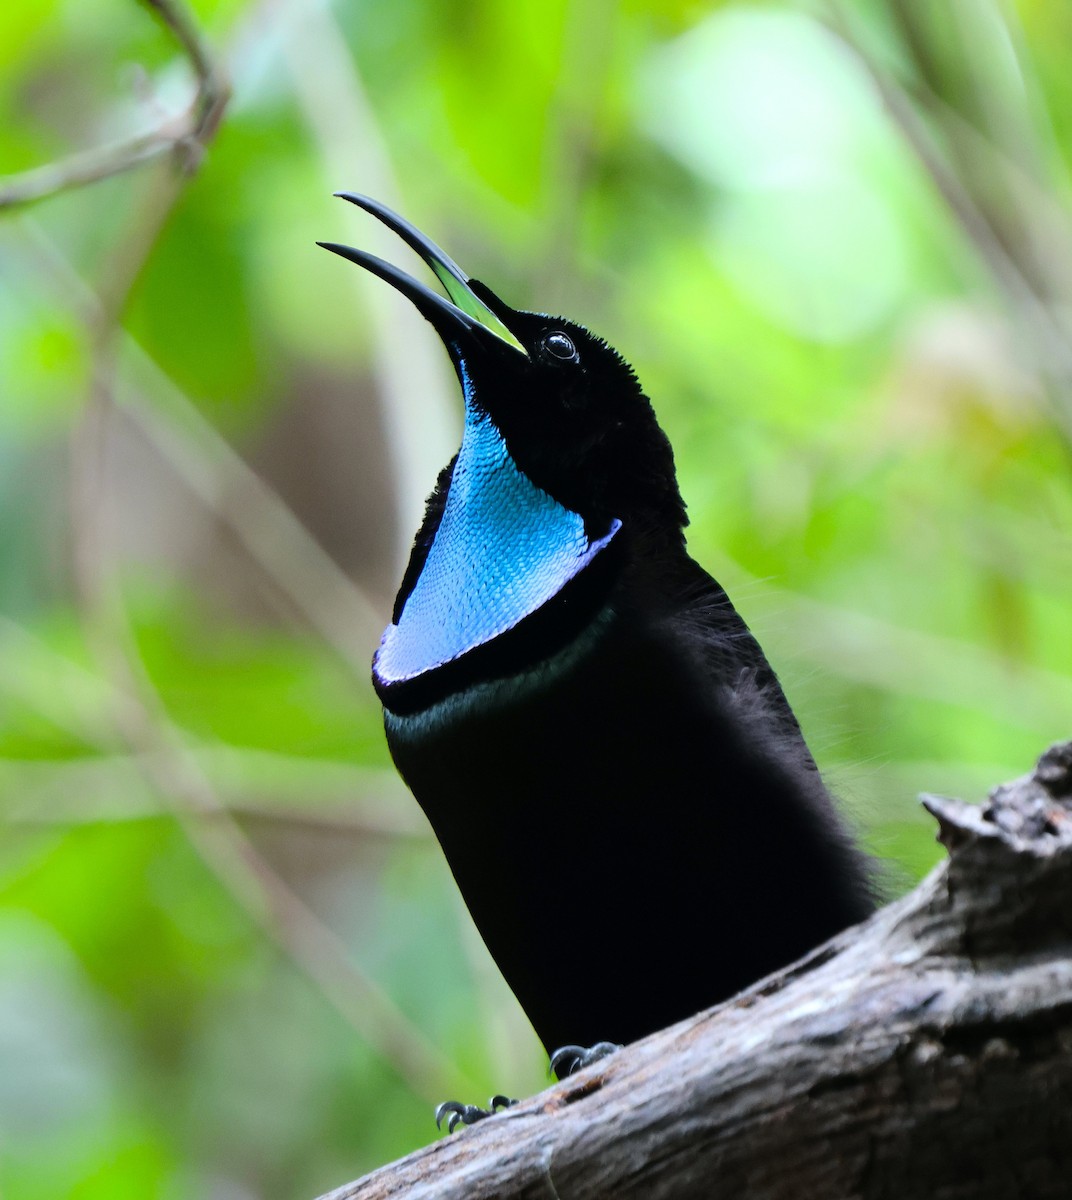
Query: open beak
<point>465,313</point>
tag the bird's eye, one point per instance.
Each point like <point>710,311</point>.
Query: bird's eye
<point>559,345</point>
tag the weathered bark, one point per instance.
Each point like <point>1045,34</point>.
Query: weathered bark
<point>926,1053</point>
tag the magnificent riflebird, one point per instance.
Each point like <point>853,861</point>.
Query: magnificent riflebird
<point>609,762</point>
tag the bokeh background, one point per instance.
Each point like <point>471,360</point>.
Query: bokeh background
<point>835,241</point>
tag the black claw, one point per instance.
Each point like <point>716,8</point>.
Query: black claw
<point>565,1054</point>
<point>452,1107</point>
<point>468,1114</point>
<point>599,1051</point>
<point>581,1056</point>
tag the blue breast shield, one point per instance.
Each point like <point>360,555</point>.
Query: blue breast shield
<point>503,549</point>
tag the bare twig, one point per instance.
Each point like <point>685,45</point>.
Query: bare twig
<point>570,143</point>
<point>322,595</point>
<point>87,166</point>
<point>926,666</point>
<point>276,909</point>
<point>1037,302</point>
<point>161,754</point>
<point>178,19</point>
<point>413,384</point>
<point>160,750</point>
<point>252,785</point>
<point>184,137</point>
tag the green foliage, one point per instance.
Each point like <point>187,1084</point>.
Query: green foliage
<point>868,391</point>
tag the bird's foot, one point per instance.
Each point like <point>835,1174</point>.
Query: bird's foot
<point>469,1114</point>
<point>576,1058</point>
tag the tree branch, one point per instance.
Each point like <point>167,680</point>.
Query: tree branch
<point>924,1053</point>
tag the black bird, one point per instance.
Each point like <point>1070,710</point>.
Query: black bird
<point>607,758</point>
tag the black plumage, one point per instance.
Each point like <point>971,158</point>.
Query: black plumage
<point>609,762</point>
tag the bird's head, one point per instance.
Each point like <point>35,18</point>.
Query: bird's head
<point>568,406</point>
<point>561,453</point>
